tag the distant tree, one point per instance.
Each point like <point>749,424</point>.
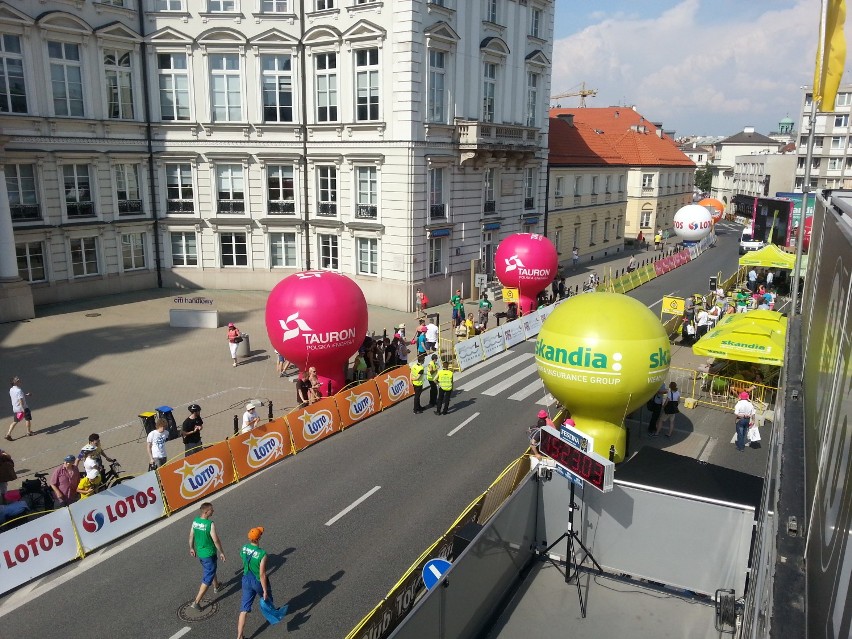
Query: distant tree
<point>704,178</point>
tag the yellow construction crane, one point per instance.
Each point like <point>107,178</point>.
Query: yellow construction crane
<point>583,93</point>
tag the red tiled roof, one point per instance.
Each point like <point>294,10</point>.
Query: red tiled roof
<point>612,126</point>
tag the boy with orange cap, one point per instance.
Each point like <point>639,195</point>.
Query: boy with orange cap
<point>255,581</point>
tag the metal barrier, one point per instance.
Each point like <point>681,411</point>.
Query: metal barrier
<point>721,391</point>
<point>502,487</point>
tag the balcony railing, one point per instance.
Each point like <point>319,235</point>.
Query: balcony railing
<point>647,190</point>
<point>327,209</point>
<point>490,206</point>
<point>180,206</point>
<point>230,206</point>
<point>25,212</point>
<point>129,207</point>
<point>366,212</point>
<point>471,132</point>
<point>80,209</point>
<point>281,207</point>
<point>438,211</point>
<point>529,203</point>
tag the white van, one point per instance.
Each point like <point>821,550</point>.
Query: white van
<point>747,243</point>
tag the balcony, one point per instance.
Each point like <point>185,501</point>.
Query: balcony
<point>366,212</point>
<point>281,207</point>
<point>648,190</point>
<point>25,212</point>
<point>327,209</point>
<point>438,212</point>
<point>130,207</point>
<point>230,206</point>
<point>490,206</point>
<point>180,206</point>
<point>80,209</point>
<point>475,133</point>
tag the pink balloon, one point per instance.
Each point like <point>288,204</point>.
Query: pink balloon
<point>527,262</point>
<point>319,319</point>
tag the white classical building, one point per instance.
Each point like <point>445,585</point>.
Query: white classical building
<point>229,143</point>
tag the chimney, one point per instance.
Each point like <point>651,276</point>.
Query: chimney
<point>748,129</point>
<point>567,117</point>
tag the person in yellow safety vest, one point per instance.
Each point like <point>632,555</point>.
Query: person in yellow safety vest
<point>432,377</point>
<point>417,382</point>
<point>445,389</point>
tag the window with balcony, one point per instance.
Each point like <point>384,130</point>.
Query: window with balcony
<point>31,262</point>
<point>275,6</point>
<point>180,196</point>
<point>277,83</point>
<point>621,184</point>
<point>225,87</point>
<point>280,190</point>
<point>647,180</point>
<point>607,181</point>
<point>838,143</point>
<point>133,251</point>
<point>436,255</point>
<point>367,193</point>
<point>282,250</point>
<point>78,191</point>
<point>533,80</point>
<point>173,78</point>
<point>578,186</point>
<point>559,187</point>
<point>800,162</point>
<point>437,75</point>
<point>535,22</point>
<point>835,164</point>
<point>594,185</point>
<point>815,163</point>
<point>329,251</point>
<point>367,85</point>
<point>184,248</point>
<point>841,120</point>
<point>489,91</point>
<point>22,191</point>
<point>367,249</point>
<point>843,99</point>
<point>84,256</point>
<point>230,189</point>
<point>66,78</point>
<point>326,86</point>
<point>233,249</point>
<point>327,191</point>
<point>490,203</point>
<point>13,90</point>
<point>437,202</point>
<point>127,189</point>
<point>529,188</point>
<point>818,141</point>
<point>119,84</point>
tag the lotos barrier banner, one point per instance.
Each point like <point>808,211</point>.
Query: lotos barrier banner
<point>532,324</point>
<point>493,342</point>
<point>469,352</point>
<point>189,479</point>
<point>357,403</point>
<point>37,547</point>
<point>261,446</point>
<point>513,333</point>
<point>394,386</point>
<point>313,423</point>
<point>117,511</point>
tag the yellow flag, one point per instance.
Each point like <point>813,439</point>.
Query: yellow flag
<point>831,54</point>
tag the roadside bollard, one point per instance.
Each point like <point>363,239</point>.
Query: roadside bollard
<point>269,412</point>
<point>236,425</point>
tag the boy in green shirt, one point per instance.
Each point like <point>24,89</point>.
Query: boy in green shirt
<point>203,543</point>
<point>484,309</point>
<point>255,581</point>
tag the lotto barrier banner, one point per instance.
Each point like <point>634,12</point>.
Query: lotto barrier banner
<point>37,547</point>
<point>260,447</point>
<point>531,324</point>
<point>493,342</point>
<point>106,516</point>
<point>469,352</point>
<point>313,423</point>
<point>357,403</point>
<point>394,386</point>
<point>189,479</point>
<point>513,333</point>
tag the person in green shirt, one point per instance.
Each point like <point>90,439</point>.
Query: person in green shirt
<point>255,581</point>
<point>484,309</point>
<point>203,543</point>
<point>458,308</point>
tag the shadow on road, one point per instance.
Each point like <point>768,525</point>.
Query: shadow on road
<point>314,592</point>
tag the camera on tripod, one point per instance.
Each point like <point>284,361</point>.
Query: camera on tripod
<point>545,469</point>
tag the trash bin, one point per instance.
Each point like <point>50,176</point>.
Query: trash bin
<point>165,412</point>
<point>149,421</point>
<point>244,348</point>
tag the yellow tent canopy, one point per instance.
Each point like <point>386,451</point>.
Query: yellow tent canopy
<point>769,257</point>
<point>752,340</point>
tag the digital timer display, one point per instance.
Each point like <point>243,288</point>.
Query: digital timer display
<point>588,466</point>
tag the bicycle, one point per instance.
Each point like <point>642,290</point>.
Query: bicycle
<point>111,477</point>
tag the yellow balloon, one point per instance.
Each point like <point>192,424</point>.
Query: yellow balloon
<point>603,355</point>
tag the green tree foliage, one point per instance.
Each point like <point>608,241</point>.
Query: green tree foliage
<point>704,178</point>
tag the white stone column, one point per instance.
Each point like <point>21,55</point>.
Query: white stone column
<point>16,296</point>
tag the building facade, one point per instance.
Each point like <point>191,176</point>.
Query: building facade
<point>831,162</point>
<point>764,175</point>
<point>746,142</point>
<point>229,143</point>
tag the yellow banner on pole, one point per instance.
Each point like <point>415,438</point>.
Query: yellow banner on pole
<point>510,295</point>
<point>673,305</point>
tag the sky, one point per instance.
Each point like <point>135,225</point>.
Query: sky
<point>701,67</point>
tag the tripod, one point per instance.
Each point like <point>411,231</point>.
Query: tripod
<point>574,538</point>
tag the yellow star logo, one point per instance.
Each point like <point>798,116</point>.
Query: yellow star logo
<point>187,470</point>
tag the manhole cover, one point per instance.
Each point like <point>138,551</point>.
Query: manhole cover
<point>93,314</point>
<point>191,615</point>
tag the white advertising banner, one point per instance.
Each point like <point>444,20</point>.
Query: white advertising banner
<point>532,324</point>
<point>513,333</point>
<point>117,511</point>
<point>544,312</point>
<point>35,548</point>
<point>493,342</point>
<point>469,352</point>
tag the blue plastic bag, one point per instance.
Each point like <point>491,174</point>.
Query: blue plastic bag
<point>273,615</point>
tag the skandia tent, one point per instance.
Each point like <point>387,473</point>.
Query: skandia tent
<point>744,341</point>
<point>769,257</point>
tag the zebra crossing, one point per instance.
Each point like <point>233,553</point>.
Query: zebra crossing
<point>517,375</point>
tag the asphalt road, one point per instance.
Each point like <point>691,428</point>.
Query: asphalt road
<point>331,575</point>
